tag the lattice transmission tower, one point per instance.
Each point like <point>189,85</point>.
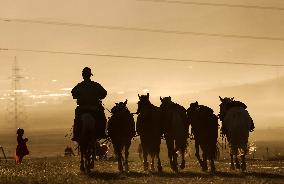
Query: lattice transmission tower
<point>16,113</point>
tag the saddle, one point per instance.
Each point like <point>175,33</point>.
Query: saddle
<point>205,109</point>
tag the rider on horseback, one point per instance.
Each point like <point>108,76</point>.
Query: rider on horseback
<point>230,103</point>
<point>89,95</point>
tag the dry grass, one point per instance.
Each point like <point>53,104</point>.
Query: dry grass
<point>66,170</point>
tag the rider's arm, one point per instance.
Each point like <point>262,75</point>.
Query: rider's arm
<point>75,92</point>
<point>102,91</point>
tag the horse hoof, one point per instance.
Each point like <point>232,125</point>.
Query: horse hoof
<point>126,169</point>
<point>204,168</point>
<point>92,165</point>
<point>238,166</point>
<point>120,168</point>
<point>146,166</point>
<point>87,170</point>
<point>182,165</point>
<point>175,169</point>
<point>82,168</point>
<point>243,168</point>
<point>160,169</point>
<point>213,171</point>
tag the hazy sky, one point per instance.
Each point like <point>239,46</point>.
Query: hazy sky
<point>49,73</point>
<point>133,13</point>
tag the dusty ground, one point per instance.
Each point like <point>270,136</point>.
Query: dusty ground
<point>66,170</point>
<point>56,169</point>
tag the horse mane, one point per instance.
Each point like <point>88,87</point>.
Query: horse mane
<point>196,108</point>
<point>178,106</point>
<point>173,105</point>
<point>235,104</point>
<point>203,108</point>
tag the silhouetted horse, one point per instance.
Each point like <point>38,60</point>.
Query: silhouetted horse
<point>204,124</point>
<point>121,129</point>
<point>236,125</point>
<point>149,129</point>
<point>87,142</point>
<point>175,129</point>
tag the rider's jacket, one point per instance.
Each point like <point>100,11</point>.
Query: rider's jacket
<point>88,93</point>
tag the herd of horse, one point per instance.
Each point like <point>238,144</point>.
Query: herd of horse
<point>170,121</point>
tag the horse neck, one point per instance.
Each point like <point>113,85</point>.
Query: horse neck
<point>148,108</point>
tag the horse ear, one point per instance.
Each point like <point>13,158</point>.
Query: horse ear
<point>221,99</point>
<point>161,98</point>
<point>125,102</point>
<point>139,96</point>
<point>148,95</point>
<point>116,103</point>
<point>232,98</point>
<point>170,97</point>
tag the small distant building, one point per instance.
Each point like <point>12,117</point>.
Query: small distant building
<point>68,152</point>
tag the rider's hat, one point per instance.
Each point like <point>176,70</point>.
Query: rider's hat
<point>20,131</point>
<point>87,71</point>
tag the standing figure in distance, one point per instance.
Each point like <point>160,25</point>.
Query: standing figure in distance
<point>89,95</point>
<point>22,148</point>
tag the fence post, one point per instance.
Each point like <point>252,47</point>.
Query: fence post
<point>3,153</point>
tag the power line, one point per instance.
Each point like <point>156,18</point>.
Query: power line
<point>122,28</point>
<point>217,4</point>
<point>141,57</point>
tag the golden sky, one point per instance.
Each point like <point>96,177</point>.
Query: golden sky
<point>52,73</point>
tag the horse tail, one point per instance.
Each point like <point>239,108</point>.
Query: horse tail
<point>238,122</point>
<point>179,130</point>
<point>88,127</point>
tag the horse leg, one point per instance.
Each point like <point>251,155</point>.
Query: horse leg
<point>88,161</point>
<point>119,159</point>
<point>237,162</point>
<point>243,167</point>
<point>126,152</point>
<point>197,154</point>
<point>152,162</point>
<point>204,157</point>
<point>175,156</point>
<point>212,156</point>
<point>145,162</point>
<point>118,152</point>
<point>93,156</point>
<point>232,161</point>
<point>170,146</point>
<point>82,168</point>
<point>182,165</point>
<point>212,165</point>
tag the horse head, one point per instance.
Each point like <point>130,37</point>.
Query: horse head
<point>119,107</point>
<point>166,102</point>
<point>143,102</point>
<point>223,106</point>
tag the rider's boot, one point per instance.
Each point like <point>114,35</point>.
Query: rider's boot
<point>75,132</point>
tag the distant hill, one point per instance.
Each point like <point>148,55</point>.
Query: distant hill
<point>264,99</point>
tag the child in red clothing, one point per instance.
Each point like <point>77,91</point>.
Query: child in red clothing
<point>21,149</point>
